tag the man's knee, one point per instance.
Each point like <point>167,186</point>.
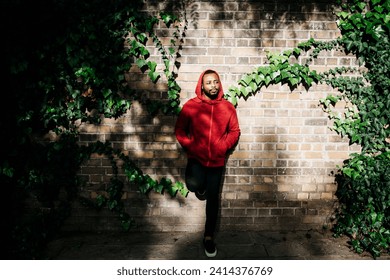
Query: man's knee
<point>192,184</point>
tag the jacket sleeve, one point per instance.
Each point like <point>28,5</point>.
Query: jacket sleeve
<point>182,128</point>
<point>233,132</point>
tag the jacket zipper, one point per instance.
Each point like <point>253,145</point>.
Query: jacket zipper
<point>211,127</point>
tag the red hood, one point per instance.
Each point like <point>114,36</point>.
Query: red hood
<point>198,89</point>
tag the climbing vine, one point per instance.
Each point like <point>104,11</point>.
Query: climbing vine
<point>363,180</point>
<point>74,72</point>
<point>112,197</point>
<point>279,71</point>
<point>168,55</point>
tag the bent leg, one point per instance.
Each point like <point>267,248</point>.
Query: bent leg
<point>195,176</point>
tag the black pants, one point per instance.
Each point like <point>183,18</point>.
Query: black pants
<point>209,179</point>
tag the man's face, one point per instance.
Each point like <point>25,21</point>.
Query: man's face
<point>211,85</point>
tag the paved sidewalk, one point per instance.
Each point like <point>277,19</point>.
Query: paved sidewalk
<point>300,245</point>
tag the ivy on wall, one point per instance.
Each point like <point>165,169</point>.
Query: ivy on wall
<point>67,69</point>
<point>363,180</point>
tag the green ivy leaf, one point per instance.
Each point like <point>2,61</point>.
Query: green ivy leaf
<point>8,171</point>
<point>243,92</point>
<point>141,63</point>
<point>172,190</point>
<point>154,76</point>
<point>171,50</point>
<point>267,80</point>
<point>152,66</point>
<point>296,52</point>
<point>182,189</point>
<point>361,5</point>
<point>293,81</point>
<point>106,93</point>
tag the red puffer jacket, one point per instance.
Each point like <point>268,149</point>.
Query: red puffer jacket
<point>207,129</point>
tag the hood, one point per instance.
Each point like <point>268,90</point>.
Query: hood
<point>198,89</point>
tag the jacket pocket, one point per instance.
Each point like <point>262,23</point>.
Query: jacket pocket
<point>220,148</point>
<point>197,150</point>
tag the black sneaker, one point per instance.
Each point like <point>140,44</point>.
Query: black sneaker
<point>201,195</point>
<point>209,248</point>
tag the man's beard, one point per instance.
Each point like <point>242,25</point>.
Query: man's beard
<point>210,95</point>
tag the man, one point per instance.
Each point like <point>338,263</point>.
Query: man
<point>207,128</point>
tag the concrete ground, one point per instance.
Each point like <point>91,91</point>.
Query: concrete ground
<point>299,245</point>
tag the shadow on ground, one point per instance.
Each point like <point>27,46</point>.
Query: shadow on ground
<point>301,245</point>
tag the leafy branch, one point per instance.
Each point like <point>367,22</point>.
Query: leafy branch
<point>279,71</point>
<point>73,73</point>
<point>363,181</point>
<point>169,56</point>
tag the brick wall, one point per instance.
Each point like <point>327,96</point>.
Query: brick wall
<point>280,174</point>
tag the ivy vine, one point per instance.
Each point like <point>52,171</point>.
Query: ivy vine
<point>363,180</point>
<point>74,73</point>
<point>112,197</point>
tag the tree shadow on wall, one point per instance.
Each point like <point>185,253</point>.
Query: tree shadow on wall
<point>253,15</point>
